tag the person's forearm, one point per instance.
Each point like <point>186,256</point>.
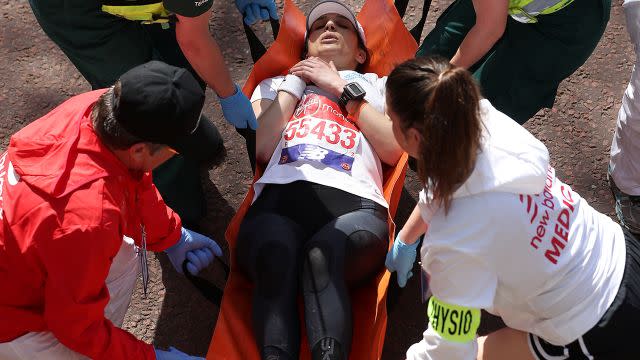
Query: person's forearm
<point>272,121</point>
<point>376,127</point>
<point>161,224</point>
<point>413,228</point>
<point>491,22</point>
<point>204,54</point>
<point>75,292</point>
<point>475,45</point>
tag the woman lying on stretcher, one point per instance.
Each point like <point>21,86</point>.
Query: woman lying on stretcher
<point>319,220</point>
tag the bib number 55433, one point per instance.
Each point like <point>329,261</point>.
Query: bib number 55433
<point>324,130</point>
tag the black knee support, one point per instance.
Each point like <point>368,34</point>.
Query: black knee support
<point>317,269</point>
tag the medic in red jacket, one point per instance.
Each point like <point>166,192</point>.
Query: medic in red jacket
<point>70,192</point>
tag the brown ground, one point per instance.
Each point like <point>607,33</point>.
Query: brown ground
<point>35,76</point>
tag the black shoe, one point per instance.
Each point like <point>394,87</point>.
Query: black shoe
<point>328,349</point>
<point>627,207</point>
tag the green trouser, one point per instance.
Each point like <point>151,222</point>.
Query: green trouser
<point>103,47</point>
<point>521,73</point>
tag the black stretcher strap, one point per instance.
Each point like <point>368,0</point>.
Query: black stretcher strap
<point>416,32</point>
<point>256,47</point>
<point>249,136</point>
<point>401,6</point>
<point>209,290</point>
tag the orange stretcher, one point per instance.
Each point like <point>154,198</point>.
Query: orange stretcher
<point>389,43</point>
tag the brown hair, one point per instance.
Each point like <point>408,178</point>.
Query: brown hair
<point>441,101</point>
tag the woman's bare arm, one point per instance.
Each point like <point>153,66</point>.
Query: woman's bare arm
<point>376,127</point>
<point>413,228</point>
<point>272,116</point>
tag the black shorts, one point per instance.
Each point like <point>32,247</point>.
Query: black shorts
<point>616,335</point>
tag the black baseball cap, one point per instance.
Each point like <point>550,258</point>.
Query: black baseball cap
<point>160,103</point>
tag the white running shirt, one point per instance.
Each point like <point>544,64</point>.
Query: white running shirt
<point>322,145</point>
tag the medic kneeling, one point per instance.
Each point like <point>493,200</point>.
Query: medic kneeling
<point>77,203</point>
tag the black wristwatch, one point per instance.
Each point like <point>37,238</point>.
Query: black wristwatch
<point>351,91</point>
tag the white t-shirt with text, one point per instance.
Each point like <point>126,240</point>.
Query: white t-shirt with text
<point>321,144</point>
<point>519,243</point>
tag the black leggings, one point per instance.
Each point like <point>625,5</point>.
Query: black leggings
<point>315,237</point>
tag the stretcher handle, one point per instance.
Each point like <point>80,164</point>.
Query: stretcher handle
<point>256,47</point>
<point>209,290</point>
<point>401,6</point>
<point>249,136</point>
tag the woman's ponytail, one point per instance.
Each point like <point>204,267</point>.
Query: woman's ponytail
<point>441,101</point>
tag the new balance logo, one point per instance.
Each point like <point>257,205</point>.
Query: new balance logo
<point>327,346</point>
<point>313,153</point>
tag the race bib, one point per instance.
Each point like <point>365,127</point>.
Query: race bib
<point>320,131</point>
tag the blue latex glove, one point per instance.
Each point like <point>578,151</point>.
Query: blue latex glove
<point>174,354</point>
<point>197,249</point>
<point>400,259</point>
<point>256,10</point>
<point>237,110</point>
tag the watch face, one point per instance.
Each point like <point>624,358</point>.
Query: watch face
<point>355,89</point>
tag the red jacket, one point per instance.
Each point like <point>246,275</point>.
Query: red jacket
<point>62,223</point>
